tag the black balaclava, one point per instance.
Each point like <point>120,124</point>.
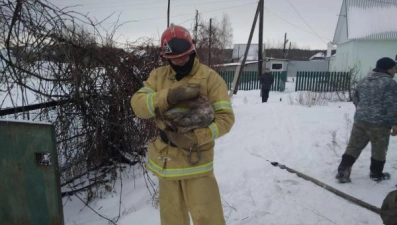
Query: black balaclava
<point>182,71</point>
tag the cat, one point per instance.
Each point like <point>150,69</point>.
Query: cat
<point>201,114</point>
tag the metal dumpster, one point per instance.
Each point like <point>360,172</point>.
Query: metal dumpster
<point>29,179</point>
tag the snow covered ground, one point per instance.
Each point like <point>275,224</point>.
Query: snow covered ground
<point>310,140</point>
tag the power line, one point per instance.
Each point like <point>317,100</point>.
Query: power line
<point>236,6</point>
<point>303,19</point>
<point>95,2</point>
<point>189,14</point>
<point>126,7</point>
<point>103,6</point>
<point>294,25</point>
<point>186,21</point>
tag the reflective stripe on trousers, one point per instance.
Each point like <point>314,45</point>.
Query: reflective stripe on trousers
<point>198,196</point>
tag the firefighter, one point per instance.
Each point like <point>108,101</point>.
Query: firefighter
<point>183,162</point>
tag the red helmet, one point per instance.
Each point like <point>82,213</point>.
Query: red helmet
<point>176,42</point>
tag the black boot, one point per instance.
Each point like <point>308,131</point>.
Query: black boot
<point>376,169</point>
<point>344,169</point>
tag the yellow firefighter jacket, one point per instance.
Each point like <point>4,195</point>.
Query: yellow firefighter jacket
<point>172,162</point>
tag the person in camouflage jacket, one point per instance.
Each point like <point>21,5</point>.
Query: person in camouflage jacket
<point>375,120</point>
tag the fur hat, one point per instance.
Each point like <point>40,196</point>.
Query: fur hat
<point>385,63</point>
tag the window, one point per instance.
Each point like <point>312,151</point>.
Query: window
<point>43,159</point>
<point>277,66</point>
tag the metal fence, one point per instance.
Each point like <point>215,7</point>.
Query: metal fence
<point>322,81</point>
<point>30,189</point>
<point>249,80</point>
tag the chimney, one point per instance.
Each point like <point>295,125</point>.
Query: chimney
<point>329,49</point>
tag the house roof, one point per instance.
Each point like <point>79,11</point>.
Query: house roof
<point>236,63</point>
<point>267,59</point>
<point>318,56</point>
<point>366,19</point>
<point>239,50</point>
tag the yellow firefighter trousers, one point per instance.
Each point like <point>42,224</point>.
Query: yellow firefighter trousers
<point>198,196</point>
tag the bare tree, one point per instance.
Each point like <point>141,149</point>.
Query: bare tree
<point>226,32</point>
<point>221,39</point>
<point>49,55</point>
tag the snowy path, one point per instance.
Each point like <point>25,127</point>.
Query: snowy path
<point>300,139</point>
<point>253,191</point>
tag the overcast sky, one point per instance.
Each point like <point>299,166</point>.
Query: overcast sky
<point>308,23</point>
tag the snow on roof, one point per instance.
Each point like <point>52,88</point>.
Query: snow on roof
<point>239,50</point>
<point>317,56</point>
<point>236,63</point>
<point>271,59</point>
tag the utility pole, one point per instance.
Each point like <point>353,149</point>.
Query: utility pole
<point>196,27</point>
<point>168,14</point>
<point>289,48</point>
<point>240,68</point>
<point>209,44</point>
<point>285,43</point>
<point>260,46</point>
<point>260,39</point>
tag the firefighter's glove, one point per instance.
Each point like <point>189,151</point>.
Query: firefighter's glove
<point>185,141</point>
<point>183,92</point>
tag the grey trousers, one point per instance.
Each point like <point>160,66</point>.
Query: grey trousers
<point>363,133</point>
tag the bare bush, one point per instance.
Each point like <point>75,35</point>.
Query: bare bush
<point>352,80</point>
<point>348,127</point>
<point>49,56</point>
<point>334,145</point>
<point>308,98</point>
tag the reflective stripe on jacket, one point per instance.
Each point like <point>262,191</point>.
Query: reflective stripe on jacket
<point>170,162</point>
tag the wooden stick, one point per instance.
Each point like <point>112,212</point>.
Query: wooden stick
<point>331,189</point>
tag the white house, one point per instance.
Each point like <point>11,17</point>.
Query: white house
<point>252,59</point>
<point>366,31</point>
<point>239,51</point>
<point>317,62</point>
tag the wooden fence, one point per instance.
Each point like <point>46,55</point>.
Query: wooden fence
<point>322,81</point>
<point>249,80</point>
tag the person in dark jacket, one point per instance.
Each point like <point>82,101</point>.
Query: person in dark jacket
<point>375,120</point>
<point>266,80</point>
